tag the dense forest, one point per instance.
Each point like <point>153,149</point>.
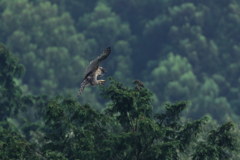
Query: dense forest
<point>186,54</point>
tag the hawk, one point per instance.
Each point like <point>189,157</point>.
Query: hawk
<point>93,71</point>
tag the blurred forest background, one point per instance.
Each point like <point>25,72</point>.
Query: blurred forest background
<point>180,49</point>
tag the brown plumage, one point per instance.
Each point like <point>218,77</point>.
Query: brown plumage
<point>139,85</point>
<point>93,71</point>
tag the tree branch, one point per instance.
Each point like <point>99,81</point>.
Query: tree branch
<point>39,153</point>
<point>162,121</point>
<point>105,138</point>
<point>131,124</point>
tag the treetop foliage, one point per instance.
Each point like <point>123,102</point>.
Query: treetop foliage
<point>127,129</point>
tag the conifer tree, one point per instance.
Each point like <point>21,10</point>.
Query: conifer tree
<point>127,129</point>
<point>13,140</point>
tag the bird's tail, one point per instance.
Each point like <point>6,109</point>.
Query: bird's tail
<point>83,85</point>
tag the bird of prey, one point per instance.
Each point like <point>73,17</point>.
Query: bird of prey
<point>94,71</point>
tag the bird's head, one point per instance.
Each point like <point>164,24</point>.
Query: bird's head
<point>100,82</point>
<point>103,71</point>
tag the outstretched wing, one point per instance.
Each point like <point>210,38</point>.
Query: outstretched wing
<point>95,63</point>
<point>84,84</point>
